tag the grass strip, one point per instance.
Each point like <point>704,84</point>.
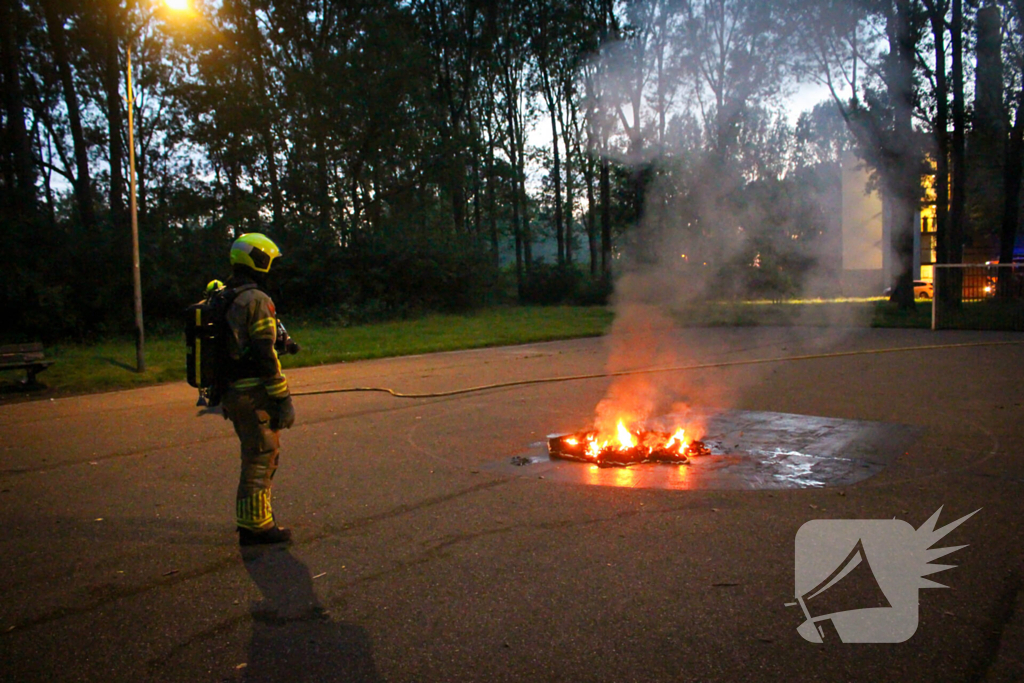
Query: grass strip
<point>83,368</point>
<point>107,365</point>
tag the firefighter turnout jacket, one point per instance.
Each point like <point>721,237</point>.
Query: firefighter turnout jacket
<point>252,331</point>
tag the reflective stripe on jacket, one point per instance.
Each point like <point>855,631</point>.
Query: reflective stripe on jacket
<point>252,321</point>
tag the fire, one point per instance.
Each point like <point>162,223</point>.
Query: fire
<point>625,438</point>
<point>627,446</point>
<point>680,437</point>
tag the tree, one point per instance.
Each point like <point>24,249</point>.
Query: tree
<point>737,53</point>
<point>82,180</point>
<point>544,41</point>
<point>1012,168</point>
<point>452,31</point>
<point>17,168</point>
<point>880,107</point>
<point>937,11</point>
<point>511,64</point>
<point>608,30</point>
<point>955,236</point>
<point>108,37</point>
<point>899,154</point>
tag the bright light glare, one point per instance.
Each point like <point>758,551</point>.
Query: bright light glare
<point>177,5</point>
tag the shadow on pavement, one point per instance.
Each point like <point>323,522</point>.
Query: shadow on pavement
<point>294,638</point>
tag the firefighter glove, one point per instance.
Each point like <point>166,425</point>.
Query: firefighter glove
<point>284,415</point>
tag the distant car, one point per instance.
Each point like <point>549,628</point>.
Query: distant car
<point>922,290</point>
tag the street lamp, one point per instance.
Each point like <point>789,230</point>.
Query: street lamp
<point>140,335</point>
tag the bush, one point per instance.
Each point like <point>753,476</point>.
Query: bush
<point>377,280</point>
<point>548,285</point>
<point>593,292</point>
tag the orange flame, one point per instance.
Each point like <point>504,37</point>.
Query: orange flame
<point>625,438</point>
<point>680,437</point>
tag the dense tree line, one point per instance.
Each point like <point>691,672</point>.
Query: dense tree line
<point>386,144</point>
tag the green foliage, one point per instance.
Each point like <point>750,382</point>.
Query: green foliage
<point>109,364</point>
<point>380,279</point>
<point>547,284</point>
<point>591,292</point>
<point>384,145</point>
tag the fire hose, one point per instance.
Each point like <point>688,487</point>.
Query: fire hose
<point>647,371</point>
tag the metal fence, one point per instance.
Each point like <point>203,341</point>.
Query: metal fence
<point>978,297</point>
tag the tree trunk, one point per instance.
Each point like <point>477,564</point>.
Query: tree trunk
<point>478,236</point>
<point>592,242</point>
<point>607,20</point>
<point>606,219</point>
<point>492,204</point>
<point>588,180</point>
<point>904,177</point>
<point>1011,210</point>
<point>1012,170</point>
<point>510,85</point>
<point>570,198</point>
<point>83,182</point>
<point>459,193</point>
<point>276,201</point>
<point>21,177</point>
<point>266,131</point>
<point>955,245</point>
<point>115,122</point>
<point>524,217</point>
<point>232,172</point>
<point>938,22</point>
<point>519,141</point>
<point>51,204</point>
<point>552,103</point>
<point>474,165</point>
<point>356,193</point>
<point>557,190</point>
<point>518,230</point>
<point>143,138</point>
<point>323,182</point>
<point>989,132</point>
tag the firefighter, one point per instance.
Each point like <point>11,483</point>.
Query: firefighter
<point>257,399</point>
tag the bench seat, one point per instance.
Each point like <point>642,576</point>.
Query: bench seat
<point>28,357</point>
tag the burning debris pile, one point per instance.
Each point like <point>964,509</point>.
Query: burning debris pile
<point>626,447</point>
<point>642,417</point>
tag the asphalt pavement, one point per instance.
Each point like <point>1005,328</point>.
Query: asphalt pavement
<point>418,560</point>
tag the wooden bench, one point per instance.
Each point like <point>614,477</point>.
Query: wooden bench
<point>28,357</point>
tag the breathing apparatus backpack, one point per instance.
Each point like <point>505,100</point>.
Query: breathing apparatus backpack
<point>207,361</point>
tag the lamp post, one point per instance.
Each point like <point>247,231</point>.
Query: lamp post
<point>140,335</point>
<point>179,6</point>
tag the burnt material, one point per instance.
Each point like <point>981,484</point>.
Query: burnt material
<point>650,446</point>
<point>751,451</point>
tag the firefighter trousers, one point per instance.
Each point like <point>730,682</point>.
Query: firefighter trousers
<point>249,411</point>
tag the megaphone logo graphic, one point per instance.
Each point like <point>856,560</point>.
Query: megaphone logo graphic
<point>857,580</point>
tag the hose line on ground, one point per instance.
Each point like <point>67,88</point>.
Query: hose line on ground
<point>648,371</point>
